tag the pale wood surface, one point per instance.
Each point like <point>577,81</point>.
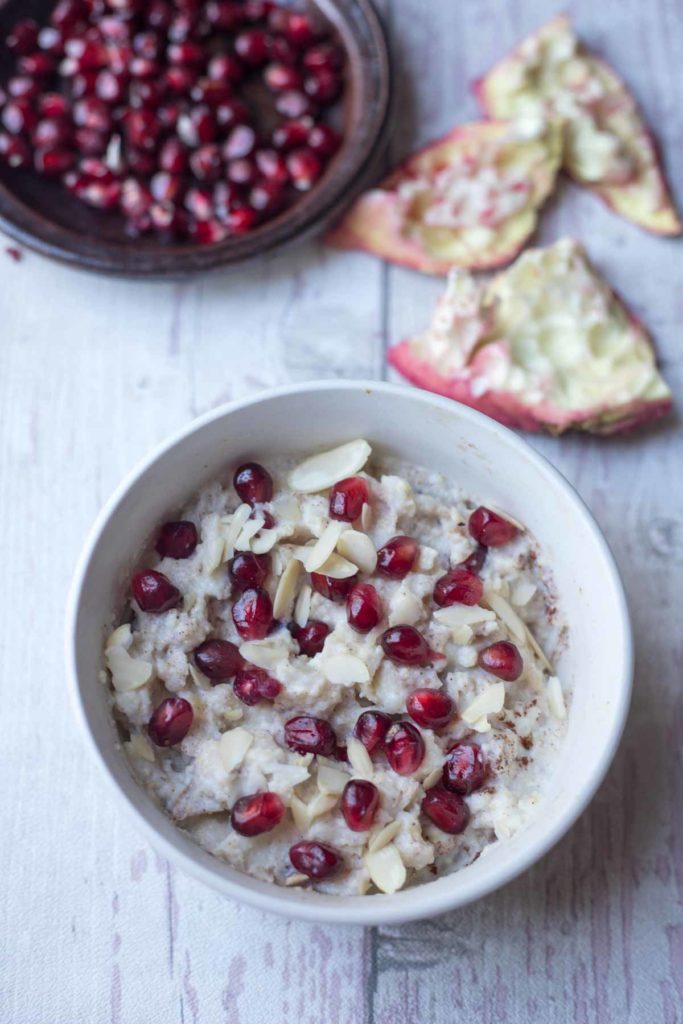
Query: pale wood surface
<point>93,925</point>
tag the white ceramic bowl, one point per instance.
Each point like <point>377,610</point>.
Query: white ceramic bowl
<point>493,465</point>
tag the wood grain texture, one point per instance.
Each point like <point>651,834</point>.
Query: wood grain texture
<point>93,925</point>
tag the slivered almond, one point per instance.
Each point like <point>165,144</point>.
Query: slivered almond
<point>359,549</point>
<point>286,590</point>
<point>331,780</point>
<point>433,777</point>
<point>482,724</point>
<point>324,546</point>
<point>319,472</point>
<point>359,759</point>
<point>489,702</point>
<point>386,868</point>
<point>406,608</point>
<point>463,615</point>
<point>302,608</point>
<point>462,635</point>
<point>139,746</point>
<point>267,653</point>
<point>522,593</point>
<point>366,516</point>
<point>506,614</point>
<point>201,681</point>
<point>121,637</point>
<point>321,804</point>
<point>233,714</point>
<point>338,568</point>
<point>249,530</point>
<point>285,777</point>
<point>299,809</point>
<point>213,553</point>
<point>266,541</point>
<point>538,650</point>
<point>233,746</point>
<point>345,669</point>
<point>384,836</point>
<point>126,673</point>
<point>556,700</point>
<point>296,879</point>
<point>234,528</point>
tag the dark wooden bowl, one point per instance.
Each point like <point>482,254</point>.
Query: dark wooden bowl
<point>42,215</point>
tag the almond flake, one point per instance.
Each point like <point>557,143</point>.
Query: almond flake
<point>331,780</point>
<point>359,549</point>
<point>482,725</point>
<point>233,746</point>
<point>233,715</point>
<point>433,777</point>
<point>267,653</point>
<point>248,531</point>
<point>296,879</point>
<point>386,868</point>
<point>366,516</point>
<point>302,608</point>
<point>235,523</point>
<point>126,673</point>
<point>321,804</point>
<point>338,568</point>
<point>319,472</point>
<point>198,678</point>
<point>463,636</point>
<point>507,615</point>
<point>489,702</point>
<point>556,701</point>
<point>324,546</point>
<point>121,637</point>
<point>299,809</point>
<point>522,593</point>
<point>406,608</point>
<point>139,746</point>
<point>359,759</point>
<point>463,615</point>
<point>385,836</point>
<point>286,590</point>
<point>426,559</point>
<point>266,541</point>
<point>284,777</point>
<point>538,650</point>
<point>345,669</point>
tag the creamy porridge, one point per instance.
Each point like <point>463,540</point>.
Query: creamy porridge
<point>335,673</point>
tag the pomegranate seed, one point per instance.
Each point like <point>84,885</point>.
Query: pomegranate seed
<point>147,44</point>
<point>397,557</point>
<point>266,196</point>
<point>199,202</point>
<point>316,860</point>
<point>206,163</point>
<point>253,815</point>
<point>51,40</point>
<point>14,151</point>
<point>23,87</point>
<point>177,539</point>
<point>252,45</point>
<point>253,685</point>
<point>154,592</point>
<point>299,30</point>
<point>242,220</point>
<point>241,172</point>
<point>405,645</point>
<point>335,590</point>
<point>218,659</point>
<point>308,735</point>
<point>23,37</point>
<point>404,748</point>
<point>173,156</point>
<point>502,659</point>
<point>170,722</point>
<point>231,113</point>
<point>91,143</point>
<point>136,199</point>
<point>39,64</point>
<point>323,140</point>
<point>363,607</point>
<point>179,80</point>
<point>490,529</point>
<point>53,162</point>
<point>110,87</point>
<point>475,561</point>
<point>465,769</point>
<point>50,132</point>
<point>182,27</point>
<point>114,30</point>
<point>323,86</point>
<point>323,56</point>
<point>347,498</point>
<point>282,50</point>
<point>185,53</point>
<point>458,586</point>
<point>248,570</point>
<point>240,142</point>
<point>226,68</point>
<point>209,232</point>
<point>280,77</point>
<point>141,68</point>
<point>371,729</point>
<point>159,14</point>
<point>429,708</point>
<point>359,804</point>
<point>253,483</point>
<point>142,129</point>
<point>19,118</point>
<point>311,637</point>
<point>252,613</point>
<point>197,127</point>
<point>290,134</point>
<point>166,187</point>
<point>448,811</point>
<point>223,14</point>
<point>278,19</point>
<point>83,85</point>
<point>92,113</point>
<point>272,165</point>
<point>67,13</point>
<point>93,167</point>
<point>101,196</point>
<point>294,104</point>
<point>211,93</point>
<point>53,104</point>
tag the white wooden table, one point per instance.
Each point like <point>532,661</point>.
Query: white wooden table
<point>94,926</point>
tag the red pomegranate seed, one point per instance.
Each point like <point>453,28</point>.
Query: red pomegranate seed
<point>241,172</point>
<point>405,645</point>
<point>90,143</point>
<point>100,195</point>
<point>177,539</point>
<point>182,27</point>
<point>299,30</point>
<point>294,104</point>
<point>142,129</point>
<point>51,132</point>
<point>502,659</point>
<point>253,815</point>
<point>311,637</point>
<point>83,85</point>
<point>226,68</point>
<point>200,203</point>
<point>159,14</point>
<point>305,167</point>
<point>252,613</point>
<point>178,81</point>
<point>23,37</point>
<point>240,142</point>
<point>266,196</point>
<point>249,570</point>
<point>231,113</point>
<point>51,40</point>
<point>206,163</point>
<point>173,156</point>
<point>359,805</point>
<point>280,77</point>
<point>448,811</point>
<point>224,14</point>
<point>23,87</point>
<point>139,162</point>
<point>252,46</point>
<point>490,529</point>
<point>165,187</point>
<point>218,659</point>
<point>39,64</point>
<point>170,722</point>
<point>242,220</point>
<point>316,860</point>
<point>185,53</point>
<point>323,140</point>
<point>371,729</point>
<point>197,126</point>
<point>253,685</point>
<point>323,86</point>
<point>404,748</point>
<point>154,592</point>
<point>397,557</point>
<point>136,198</point>
<point>308,735</point>
<point>335,590</point>
<point>19,118</point>
<point>257,10</point>
<point>209,232</point>
<point>429,708</point>
<point>253,483</point>
<point>14,151</point>
<point>323,56</point>
<point>458,586</point>
<point>290,134</point>
<point>363,607</point>
<point>147,44</point>
<point>347,498</point>
<point>272,165</point>
<point>278,19</point>
<point>465,769</point>
<point>53,104</point>
<point>53,162</point>
<point>475,561</point>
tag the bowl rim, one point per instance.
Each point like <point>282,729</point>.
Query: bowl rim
<point>376,908</point>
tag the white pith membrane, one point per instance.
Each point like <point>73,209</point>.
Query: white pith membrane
<point>545,343</point>
<point>233,750</point>
<point>608,146</point>
<point>471,199</point>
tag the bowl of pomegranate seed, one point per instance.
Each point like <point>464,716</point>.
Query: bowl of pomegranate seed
<point>172,136</point>
<point>367,666</point>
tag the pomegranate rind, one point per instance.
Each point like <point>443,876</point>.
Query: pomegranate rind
<point>643,197</point>
<point>469,363</point>
<point>389,222</point>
